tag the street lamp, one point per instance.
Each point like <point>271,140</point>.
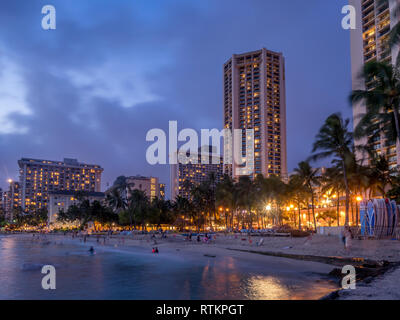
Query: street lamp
<point>9,181</point>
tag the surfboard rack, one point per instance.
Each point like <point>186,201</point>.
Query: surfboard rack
<point>379,218</point>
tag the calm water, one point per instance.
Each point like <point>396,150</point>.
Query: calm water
<point>115,274</point>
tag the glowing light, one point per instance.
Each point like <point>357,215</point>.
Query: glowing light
<point>359,198</point>
<point>9,180</point>
<point>268,207</point>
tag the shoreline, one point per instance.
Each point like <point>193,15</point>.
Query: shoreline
<point>373,265</point>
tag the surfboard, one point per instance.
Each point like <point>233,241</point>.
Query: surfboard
<point>394,217</point>
<point>378,217</point>
<point>371,218</point>
<point>363,218</point>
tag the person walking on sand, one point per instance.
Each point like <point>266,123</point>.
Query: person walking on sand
<point>348,236</point>
<point>342,237</point>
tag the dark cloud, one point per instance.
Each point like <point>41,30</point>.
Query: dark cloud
<point>113,70</point>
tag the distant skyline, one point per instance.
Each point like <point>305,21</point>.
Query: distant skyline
<point>111,71</point>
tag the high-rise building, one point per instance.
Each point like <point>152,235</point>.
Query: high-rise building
<point>38,178</point>
<point>194,172</point>
<point>369,42</point>
<point>255,98</point>
<point>11,199</point>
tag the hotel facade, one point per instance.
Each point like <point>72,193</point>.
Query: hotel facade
<point>39,178</point>
<point>62,200</point>
<point>255,98</point>
<point>11,199</point>
<point>369,42</point>
<point>203,164</point>
<point>150,185</point>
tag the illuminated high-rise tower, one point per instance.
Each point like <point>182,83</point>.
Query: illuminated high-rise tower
<point>369,42</point>
<point>255,98</point>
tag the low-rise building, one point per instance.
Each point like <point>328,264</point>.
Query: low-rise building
<point>150,185</point>
<point>62,200</point>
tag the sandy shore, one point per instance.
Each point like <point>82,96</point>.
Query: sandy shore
<point>383,287</point>
<point>327,246</point>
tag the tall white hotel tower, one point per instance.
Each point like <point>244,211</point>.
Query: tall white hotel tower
<point>369,42</point>
<point>255,98</point>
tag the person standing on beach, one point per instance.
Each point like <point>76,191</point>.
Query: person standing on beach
<point>342,237</point>
<point>348,236</point>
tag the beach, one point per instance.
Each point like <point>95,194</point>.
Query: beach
<point>318,255</point>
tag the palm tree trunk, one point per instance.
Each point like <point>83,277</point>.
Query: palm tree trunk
<point>298,205</point>
<point>346,183</point>
<point>313,211</point>
<point>357,216</point>
<point>352,210</point>
<point>338,209</point>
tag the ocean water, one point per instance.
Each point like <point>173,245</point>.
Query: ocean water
<point>114,273</point>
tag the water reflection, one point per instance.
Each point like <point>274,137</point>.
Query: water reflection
<point>266,288</point>
<point>111,274</point>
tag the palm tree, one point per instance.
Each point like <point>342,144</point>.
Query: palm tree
<point>381,175</point>
<point>277,190</point>
<point>199,197</point>
<point>116,201</point>
<point>382,101</point>
<point>226,196</point>
<point>332,181</point>
<point>160,209</point>
<point>138,206</point>
<point>334,140</point>
<point>183,208</point>
<point>309,178</point>
<point>297,192</point>
<point>246,198</point>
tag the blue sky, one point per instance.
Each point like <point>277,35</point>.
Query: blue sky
<point>112,70</point>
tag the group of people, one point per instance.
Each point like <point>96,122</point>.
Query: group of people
<point>155,250</point>
<point>206,239</point>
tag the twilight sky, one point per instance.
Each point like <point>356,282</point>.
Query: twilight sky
<point>114,69</point>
